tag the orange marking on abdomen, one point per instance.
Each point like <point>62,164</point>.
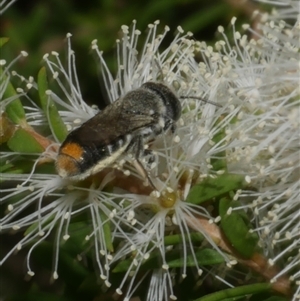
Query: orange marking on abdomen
<point>73,150</point>
<point>66,166</point>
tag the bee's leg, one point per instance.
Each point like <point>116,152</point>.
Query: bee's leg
<point>170,124</point>
<point>143,172</point>
<point>151,156</point>
<point>137,148</point>
<point>173,127</point>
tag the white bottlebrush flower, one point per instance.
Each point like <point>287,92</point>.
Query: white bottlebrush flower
<point>58,201</point>
<point>50,202</point>
<point>178,159</point>
<point>257,81</point>
<point>260,77</point>
<point>253,133</point>
<point>151,220</point>
<point>281,10</point>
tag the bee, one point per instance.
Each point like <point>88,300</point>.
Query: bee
<point>123,127</point>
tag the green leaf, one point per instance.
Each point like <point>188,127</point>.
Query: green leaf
<point>6,166</point>
<point>172,240</point>
<point>236,228</point>
<point>174,259</point>
<point>14,108</point>
<point>35,226</point>
<point>3,41</point>
<point>211,188</point>
<point>49,108</point>
<point>17,166</point>
<point>265,297</point>
<point>214,12</point>
<point>242,298</point>
<point>220,162</point>
<point>203,256</point>
<point>22,141</point>
<point>107,231</point>
<point>241,291</point>
<point>7,128</point>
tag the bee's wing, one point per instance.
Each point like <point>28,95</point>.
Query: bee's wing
<point>113,123</point>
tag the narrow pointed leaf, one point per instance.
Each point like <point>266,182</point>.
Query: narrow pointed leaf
<point>14,108</point>
<point>240,291</point>
<point>177,238</point>
<point>259,297</point>
<point>212,188</point>
<point>204,256</point>
<point>19,167</point>
<point>236,229</point>
<point>49,108</point>
<point>107,232</point>
<point>23,142</point>
<point>3,41</point>
<point>7,128</point>
<point>220,162</point>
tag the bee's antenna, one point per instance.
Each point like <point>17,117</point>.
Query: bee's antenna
<point>160,71</point>
<point>204,100</point>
